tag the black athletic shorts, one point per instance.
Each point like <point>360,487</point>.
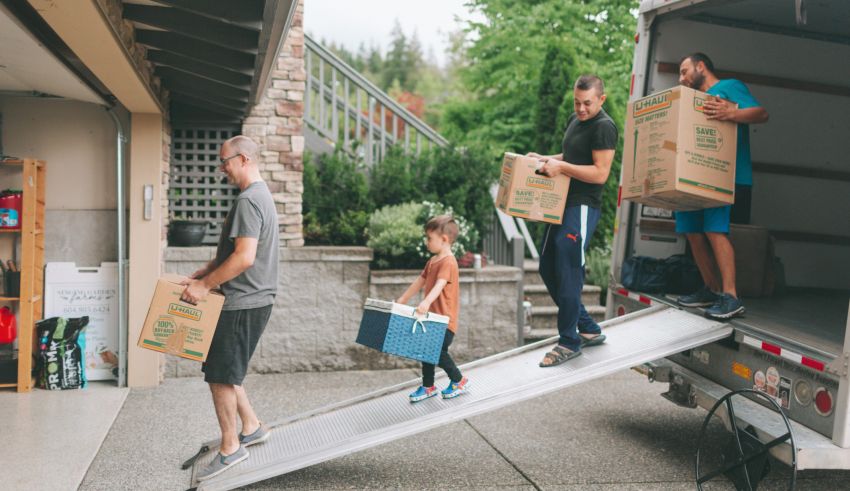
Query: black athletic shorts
<point>236,336</point>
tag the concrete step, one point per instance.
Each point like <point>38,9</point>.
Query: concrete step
<point>547,317</point>
<point>539,297</point>
<point>531,275</point>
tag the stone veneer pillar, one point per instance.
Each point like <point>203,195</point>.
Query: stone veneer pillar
<point>276,123</point>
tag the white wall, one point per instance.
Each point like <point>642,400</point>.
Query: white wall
<point>806,130</point>
<point>78,142</point>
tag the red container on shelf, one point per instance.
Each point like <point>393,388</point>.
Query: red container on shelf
<point>11,203</point>
<point>8,326</point>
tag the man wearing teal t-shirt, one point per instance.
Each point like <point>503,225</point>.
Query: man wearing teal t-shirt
<point>708,230</point>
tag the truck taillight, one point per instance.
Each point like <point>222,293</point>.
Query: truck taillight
<point>803,392</point>
<point>823,401</point>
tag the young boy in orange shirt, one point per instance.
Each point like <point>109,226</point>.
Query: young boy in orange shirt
<point>440,278</point>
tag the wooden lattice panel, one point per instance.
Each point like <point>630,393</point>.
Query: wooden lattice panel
<point>198,190</point>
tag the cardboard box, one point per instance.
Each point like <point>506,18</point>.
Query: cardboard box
<point>179,328</point>
<point>524,194</point>
<point>754,260</point>
<point>676,158</point>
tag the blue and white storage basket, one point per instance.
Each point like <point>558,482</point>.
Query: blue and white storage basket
<point>396,329</point>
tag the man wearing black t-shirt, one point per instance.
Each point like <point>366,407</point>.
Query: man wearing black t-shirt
<point>588,151</point>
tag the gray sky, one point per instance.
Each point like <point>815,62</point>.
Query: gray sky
<point>367,21</point>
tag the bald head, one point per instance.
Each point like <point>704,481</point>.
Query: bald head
<point>239,161</point>
<point>243,145</point>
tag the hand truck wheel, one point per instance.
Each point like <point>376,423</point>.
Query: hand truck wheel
<point>744,461</point>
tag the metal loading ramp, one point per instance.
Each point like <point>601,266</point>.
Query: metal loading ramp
<point>497,381</point>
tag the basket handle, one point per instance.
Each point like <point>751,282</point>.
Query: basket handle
<point>419,322</point>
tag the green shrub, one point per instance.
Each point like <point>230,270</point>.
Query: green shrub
<point>347,228</point>
<point>460,178</point>
<point>398,178</point>
<point>394,234</point>
<point>338,195</point>
<point>336,200</point>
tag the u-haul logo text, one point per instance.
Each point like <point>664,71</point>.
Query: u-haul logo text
<point>653,103</point>
<point>184,311</point>
<point>540,183</point>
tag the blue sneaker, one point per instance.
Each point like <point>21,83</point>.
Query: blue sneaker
<point>423,393</point>
<point>455,389</point>
<point>700,298</point>
<point>725,308</point>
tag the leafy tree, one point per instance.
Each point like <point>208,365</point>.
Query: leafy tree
<point>374,63</point>
<point>554,83</point>
<point>404,72</point>
<point>403,60</point>
<point>511,62</point>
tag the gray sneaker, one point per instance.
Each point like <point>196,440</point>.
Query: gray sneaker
<point>701,298</point>
<point>221,463</point>
<point>725,308</point>
<point>259,436</point>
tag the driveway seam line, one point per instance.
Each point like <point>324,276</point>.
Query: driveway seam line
<point>505,457</point>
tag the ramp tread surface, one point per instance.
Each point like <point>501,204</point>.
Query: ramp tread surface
<point>495,382</point>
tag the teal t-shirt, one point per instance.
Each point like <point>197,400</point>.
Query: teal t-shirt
<point>735,91</point>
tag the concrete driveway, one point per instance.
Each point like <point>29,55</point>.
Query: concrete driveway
<point>615,433</point>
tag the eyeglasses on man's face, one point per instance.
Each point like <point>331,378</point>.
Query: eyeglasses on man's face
<point>225,160</point>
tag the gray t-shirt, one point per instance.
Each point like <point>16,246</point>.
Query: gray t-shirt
<point>253,214</point>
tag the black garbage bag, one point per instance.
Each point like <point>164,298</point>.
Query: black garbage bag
<point>61,352</point>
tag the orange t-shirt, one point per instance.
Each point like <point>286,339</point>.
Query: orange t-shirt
<point>448,302</point>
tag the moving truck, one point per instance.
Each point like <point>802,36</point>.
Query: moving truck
<point>793,345</point>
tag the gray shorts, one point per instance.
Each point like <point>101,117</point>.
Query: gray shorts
<point>236,336</point>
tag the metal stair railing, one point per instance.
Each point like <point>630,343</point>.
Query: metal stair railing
<point>345,108</point>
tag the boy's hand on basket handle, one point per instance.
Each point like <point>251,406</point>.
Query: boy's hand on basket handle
<point>423,307</point>
<point>432,295</point>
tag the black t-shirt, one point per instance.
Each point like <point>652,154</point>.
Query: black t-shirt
<point>580,139</point>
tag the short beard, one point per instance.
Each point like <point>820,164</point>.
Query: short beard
<point>699,79</point>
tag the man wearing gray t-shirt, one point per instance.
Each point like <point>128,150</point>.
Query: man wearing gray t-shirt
<point>246,269</point>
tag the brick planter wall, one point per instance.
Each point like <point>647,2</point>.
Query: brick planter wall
<point>320,301</point>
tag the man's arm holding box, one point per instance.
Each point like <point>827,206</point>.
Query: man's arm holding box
<point>593,174</point>
<point>741,107</point>
<point>722,110</point>
<point>242,258</point>
<point>203,271</point>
